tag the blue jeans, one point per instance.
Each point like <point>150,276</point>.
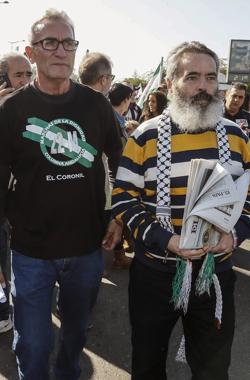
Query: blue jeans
<point>33,282</point>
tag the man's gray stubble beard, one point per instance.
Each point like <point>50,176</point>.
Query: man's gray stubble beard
<point>194,117</point>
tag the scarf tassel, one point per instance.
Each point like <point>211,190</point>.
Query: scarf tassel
<point>205,276</point>
<point>182,284</point>
<point>181,354</point>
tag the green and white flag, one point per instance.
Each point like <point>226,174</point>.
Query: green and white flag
<point>153,84</point>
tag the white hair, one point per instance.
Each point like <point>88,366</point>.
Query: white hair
<point>176,54</point>
<point>5,60</point>
<point>51,14</point>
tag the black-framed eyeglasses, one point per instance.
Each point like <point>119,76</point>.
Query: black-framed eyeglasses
<point>51,44</point>
<point>111,76</point>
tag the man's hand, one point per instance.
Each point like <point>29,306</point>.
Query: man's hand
<point>112,236</point>
<point>225,244</point>
<point>5,90</point>
<point>243,125</point>
<point>173,246</point>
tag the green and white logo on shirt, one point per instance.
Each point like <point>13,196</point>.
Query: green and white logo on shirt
<point>54,140</point>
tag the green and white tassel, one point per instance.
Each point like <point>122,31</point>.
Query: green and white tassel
<point>181,353</point>
<point>182,284</point>
<point>219,304</point>
<point>205,276</point>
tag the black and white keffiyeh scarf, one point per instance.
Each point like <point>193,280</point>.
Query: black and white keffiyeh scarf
<point>183,277</point>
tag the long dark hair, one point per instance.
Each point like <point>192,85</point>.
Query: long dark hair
<point>161,102</point>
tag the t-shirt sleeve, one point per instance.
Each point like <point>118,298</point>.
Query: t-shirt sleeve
<point>112,140</point>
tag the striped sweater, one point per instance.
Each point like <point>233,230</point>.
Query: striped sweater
<point>135,190</point>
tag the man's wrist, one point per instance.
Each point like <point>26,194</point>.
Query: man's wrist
<point>119,222</point>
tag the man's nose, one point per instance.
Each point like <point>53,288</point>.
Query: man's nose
<point>21,82</point>
<point>202,84</point>
<point>60,51</point>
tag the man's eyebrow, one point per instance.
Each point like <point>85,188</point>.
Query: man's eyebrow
<point>198,73</point>
<point>192,73</point>
<point>22,72</point>
<point>212,73</point>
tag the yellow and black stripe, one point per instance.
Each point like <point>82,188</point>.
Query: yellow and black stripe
<point>135,191</point>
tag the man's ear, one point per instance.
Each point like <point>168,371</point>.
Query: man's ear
<point>29,53</point>
<point>102,80</point>
<point>100,84</point>
<point>169,85</point>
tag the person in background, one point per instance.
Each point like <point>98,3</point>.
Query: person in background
<point>119,96</point>
<point>154,105</point>
<point>149,197</point>
<point>15,72</point>
<point>95,71</point>
<point>246,104</point>
<point>234,100</point>
<point>134,111</point>
<point>53,133</point>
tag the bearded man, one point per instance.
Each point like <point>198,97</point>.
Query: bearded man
<point>149,197</point>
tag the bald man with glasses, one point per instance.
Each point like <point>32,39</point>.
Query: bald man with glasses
<point>95,71</point>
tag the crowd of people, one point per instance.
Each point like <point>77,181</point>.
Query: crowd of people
<point>64,148</point>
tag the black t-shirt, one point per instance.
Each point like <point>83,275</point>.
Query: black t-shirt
<point>53,145</point>
<point>242,117</point>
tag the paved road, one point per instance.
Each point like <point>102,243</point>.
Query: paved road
<point>107,354</point>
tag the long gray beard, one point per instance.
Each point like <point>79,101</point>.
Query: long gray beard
<point>191,117</point>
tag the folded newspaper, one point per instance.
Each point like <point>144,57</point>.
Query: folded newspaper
<point>213,201</point>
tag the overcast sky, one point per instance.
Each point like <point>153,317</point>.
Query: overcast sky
<point>134,33</point>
